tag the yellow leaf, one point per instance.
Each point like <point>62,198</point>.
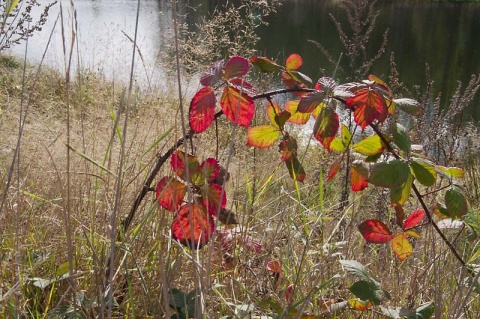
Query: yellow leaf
<point>401,246</point>
<point>413,233</point>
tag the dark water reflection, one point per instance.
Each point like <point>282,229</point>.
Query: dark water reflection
<point>444,35</point>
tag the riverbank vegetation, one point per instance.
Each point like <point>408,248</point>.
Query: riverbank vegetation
<point>118,201</point>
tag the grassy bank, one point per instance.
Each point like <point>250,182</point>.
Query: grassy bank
<point>56,239</point>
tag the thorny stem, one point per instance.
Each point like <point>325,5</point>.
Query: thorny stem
<point>422,202</point>
<point>162,159</point>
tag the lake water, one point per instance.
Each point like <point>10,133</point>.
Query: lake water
<point>444,35</point>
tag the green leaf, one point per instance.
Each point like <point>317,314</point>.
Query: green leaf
<point>366,290</point>
<point>358,270</point>
<point>295,169</point>
<point>450,172</point>
<point>400,194</point>
<point>408,106</point>
<point>401,138</point>
<point>424,171</point>
<point>424,311</point>
<point>262,136</point>
<point>281,118</point>
<point>455,202</point>
<point>369,146</point>
<point>389,174</point>
<point>265,65</point>
<point>326,126</point>
<point>296,117</point>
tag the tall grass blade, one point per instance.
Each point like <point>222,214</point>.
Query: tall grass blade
<point>89,159</point>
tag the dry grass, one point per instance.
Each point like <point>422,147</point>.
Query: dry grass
<point>303,227</point>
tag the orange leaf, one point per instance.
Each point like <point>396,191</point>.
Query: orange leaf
<point>359,177</point>
<point>375,231</point>
<point>367,106</point>
<point>193,226</point>
<point>202,109</point>
<point>334,167</point>
<point>288,147</point>
<point>238,108</point>
<point>294,61</point>
<point>401,246</point>
<point>170,193</point>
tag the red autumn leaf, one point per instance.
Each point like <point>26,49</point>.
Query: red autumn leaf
<point>179,161</point>
<point>367,106</point>
<point>359,177</point>
<point>193,226</point>
<point>309,102</point>
<point>288,148</point>
<point>170,193</point>
<point>295,116</point>
<point>237,66</point>
<point>294,61</point>
<point>243,86</point>
<point>210,169</point>
<point>262,136</point>
<point>326,126</point>
<point>274,267</point>
<point>212,74</point>
<point>414,219</point>
<point>202,109</point>
<point>375,231</point>
<point>238,108</point>
<point>401,246</point>
<point>334,167</point>
<point>289,294</point>
<point>214,198</point>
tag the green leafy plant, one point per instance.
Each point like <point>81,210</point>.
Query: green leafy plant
<point>384,157</point>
